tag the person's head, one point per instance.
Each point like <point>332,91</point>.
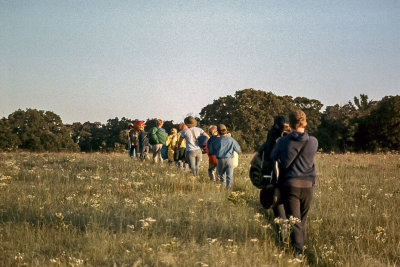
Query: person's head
<point>130,125</point>
<point>182,126</point>
<point>160,123</point>
<point>222,129</point>
<point>174,131</point>
<point>212,130</point>
<point>141,125</point>
<point>281,123</point>
<point>297,119</point>
<point>190,121</point>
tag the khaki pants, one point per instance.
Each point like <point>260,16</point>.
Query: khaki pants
<point>157,153</point>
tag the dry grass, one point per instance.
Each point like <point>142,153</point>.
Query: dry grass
<point>108,209</point>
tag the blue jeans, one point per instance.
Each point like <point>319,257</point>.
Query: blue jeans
<point>225,170</point>
<point>194,159</point>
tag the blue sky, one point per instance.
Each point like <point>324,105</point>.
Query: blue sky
<point>96,60</point>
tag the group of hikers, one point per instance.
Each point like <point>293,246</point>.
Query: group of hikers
<point>287,146</point>
<point>185,147</point>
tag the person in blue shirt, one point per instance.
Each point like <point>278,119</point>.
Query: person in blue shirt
<point>296,152</point>
<point>223,149</point>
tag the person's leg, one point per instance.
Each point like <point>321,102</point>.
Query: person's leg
<point>229,173</point>
<point>291,202</point>
<point>306,198</point>
<point>154,152</point>
<point>221,170</point>
<point>198,156</point>
<point>134,151</point>
<point>159,155</point>
<point>211,171</point>
<point>145,153</point>
<point>279,211</point>
<point>191,158</point>
<point>130,148</point>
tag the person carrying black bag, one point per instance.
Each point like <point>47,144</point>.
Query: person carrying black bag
<point>296,152</point>
<point>279,129</point>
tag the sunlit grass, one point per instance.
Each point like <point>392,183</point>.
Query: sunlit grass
<point>106,209</point>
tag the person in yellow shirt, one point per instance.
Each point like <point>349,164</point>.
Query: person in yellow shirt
<point>171,143</point>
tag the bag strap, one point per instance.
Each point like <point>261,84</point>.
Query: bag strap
<point>298,154</point>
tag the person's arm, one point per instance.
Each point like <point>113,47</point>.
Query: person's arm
<point>275,151</point>
<point>210,147</point>
<point>169,140</point>
<point>180,139</point>
<point>205,134</point>
<point>236,146</point>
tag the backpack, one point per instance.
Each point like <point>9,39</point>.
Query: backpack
<point>152,136</point>
<point>157,136</point>
<point>260,176</point>
<point>202,142</point>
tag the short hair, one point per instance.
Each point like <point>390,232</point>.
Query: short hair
<point>280,120</point>
<point>222,129</point>
<point>159,122</point>
<point>212,129</point>
<point>297,119</point>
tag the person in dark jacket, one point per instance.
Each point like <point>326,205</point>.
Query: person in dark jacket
<point>133,140</point>
<point>212,159</point>
<point>143,142</point>
<point>296,152</point>
<point>280,128</point>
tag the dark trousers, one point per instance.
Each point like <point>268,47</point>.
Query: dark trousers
<point>180,154</point>
<point>297,204</point>
<point>279,211</point>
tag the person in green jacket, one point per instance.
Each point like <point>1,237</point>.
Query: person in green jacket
<point>157,137</point>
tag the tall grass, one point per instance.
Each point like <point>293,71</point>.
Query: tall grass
<point>110,210</point>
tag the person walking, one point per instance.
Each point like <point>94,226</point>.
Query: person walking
<point>143,141</point>
<point>180,152</point>
<point>296,152</point>
<point>171,143</point>
<point>279,128</point>
<point>193,151</point>
<point>133,140</point>
<point>223,148</point>
<point>157,137</point>
<point>212,159</point>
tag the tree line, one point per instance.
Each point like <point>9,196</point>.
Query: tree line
<point>360,125</point>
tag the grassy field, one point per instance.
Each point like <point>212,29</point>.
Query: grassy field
<point>110,210</point>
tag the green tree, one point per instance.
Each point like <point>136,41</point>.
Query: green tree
<point>220,111</point>
<point>8,139</point>
<point>337,128</point>
<point>383,124</point>
<point>40,131</point>
<point>89,136</point>
<point>248,114</point>
<point>312,109</point>
<point>364,108</point>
